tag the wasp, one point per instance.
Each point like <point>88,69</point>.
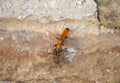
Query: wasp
<point>58,50</point>
<point>58,47</point>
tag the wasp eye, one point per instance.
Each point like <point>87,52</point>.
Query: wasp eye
<point>67,29</point>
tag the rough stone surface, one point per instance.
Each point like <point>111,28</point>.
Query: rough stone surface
<point>25,55</point>
<point>84,26</point>
<point>48,10</point>
<point>109,13</point>
<point>26,43</point>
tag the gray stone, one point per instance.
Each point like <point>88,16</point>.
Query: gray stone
<point>48,10</point>
<point>109,13</point>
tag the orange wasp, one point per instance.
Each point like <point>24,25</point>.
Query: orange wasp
<point>58,50</point>
<point>58,47</point>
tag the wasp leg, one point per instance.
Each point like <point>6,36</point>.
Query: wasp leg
<point>55,51</point>
<point>66,37</point>
<point>57,38</point>
<point>57,59</point>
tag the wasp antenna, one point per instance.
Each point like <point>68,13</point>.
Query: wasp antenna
<point>63,27</point>
<point>64,24</point>
<point>74,30</point>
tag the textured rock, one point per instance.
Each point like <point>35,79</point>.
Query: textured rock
<point>48,10</point>
<point>85,26</point>
<point>25,54</point>
<point>99,66</point>
<point>109,13</point>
